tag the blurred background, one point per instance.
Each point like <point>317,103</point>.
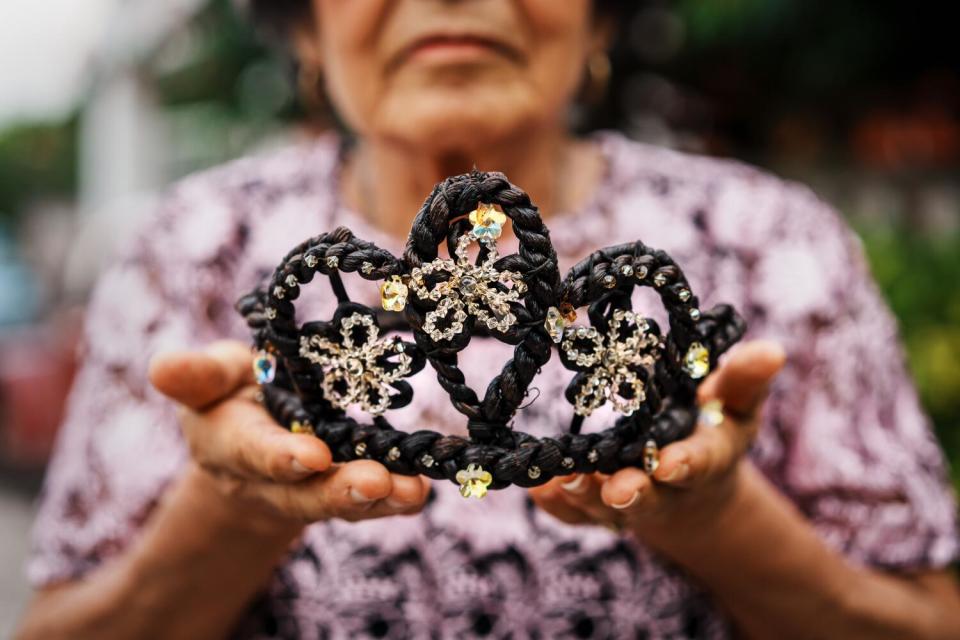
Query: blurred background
<point>104,102</point>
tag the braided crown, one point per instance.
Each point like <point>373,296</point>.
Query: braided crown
<point>311,372</point>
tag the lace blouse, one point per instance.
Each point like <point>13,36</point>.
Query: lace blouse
<point>843,437</point>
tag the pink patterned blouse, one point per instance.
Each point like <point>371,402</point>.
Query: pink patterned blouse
<point>844,436</point>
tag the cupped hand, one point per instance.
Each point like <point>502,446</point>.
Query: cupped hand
<point>249,459</point>
<point>696,476</point>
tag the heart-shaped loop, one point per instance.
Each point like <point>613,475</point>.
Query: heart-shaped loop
<point>311,373</point>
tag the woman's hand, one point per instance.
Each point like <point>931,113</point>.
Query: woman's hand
<point>697,477</point>
<point>241,456</point>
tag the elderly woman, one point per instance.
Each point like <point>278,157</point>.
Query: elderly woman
<point>176,508</point>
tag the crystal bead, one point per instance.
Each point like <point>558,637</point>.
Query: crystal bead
<point>696,362</point>
<point>271,313</point>
<point>533,472</point>
<point>659,279</point>
<point>487,221</point>
<point>427,460</point>
<point>592,456</point>
<point>567,463</point>
<point>301,427</point>
<point>684,294</point>
<point>651,457</point>
<point>366,268</point>
<point>333,262</point>
<point>474,481</point>
<point>278,292</point>
<point>354,367</point>
<point>642,272</point>
<point>393,294</point>
<point>265,367</point>
<point>393,454</point>
<point>695,314</point>
<point>609,281</point>
<point>291,281</point>
<point>626,270</point>
<point>568,312</point>
<point>311,260</point>
<point>361,449</point>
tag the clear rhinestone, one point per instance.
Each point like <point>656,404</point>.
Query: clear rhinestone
<point>651,457</point>
<point>642,272</point>
<point>393,454</point>
<point>696,362</point>
<point>533,472</point>
<point>609,281</point>
<point>393,294</point>
<point>278,292</point>
<point>626,270</point>
<point>271,313</point>
<point>291,281</point>
<point>427,460</point>
<point>659,279</point>
<point>592,456</point>
<point>333,262</point>
<point>265,367</point>
<point>695,314</point>
<point>361,449</point>
<point>684,294</point>
<point>366,268</point>
<point>311,260</point>
<point>567,463</point>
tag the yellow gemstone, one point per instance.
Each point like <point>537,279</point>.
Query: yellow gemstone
<point>301,427</point>
<point>393,294</point>
<point>487,221</point>
<point>474,481</point>
<point>696,362</point>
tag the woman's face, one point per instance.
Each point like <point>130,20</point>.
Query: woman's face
<point>447,74</point>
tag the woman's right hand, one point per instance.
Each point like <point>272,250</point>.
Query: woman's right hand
<point>246,458</point>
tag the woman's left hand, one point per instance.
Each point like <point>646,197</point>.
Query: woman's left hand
<point>696,478</point>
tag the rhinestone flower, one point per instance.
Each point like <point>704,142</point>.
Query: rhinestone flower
<point>610,364</point>
<point>357,371</point>
<point>477,290</point>
<point>696,361</point>
<point>393,294</point>
<point>474,481</point>
<point>487,221</point>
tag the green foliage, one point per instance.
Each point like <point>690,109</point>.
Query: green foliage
<point>36,162</point>
<point>919,275</point>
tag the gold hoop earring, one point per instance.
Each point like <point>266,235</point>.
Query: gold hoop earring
<point>597,77</point>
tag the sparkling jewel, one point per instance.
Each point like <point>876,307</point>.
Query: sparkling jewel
<point>271,313</point>
<point>568,312</point>
<point>592,456</point>
<point>533,472</point>
<point>659,279</point>
<point>291,281</point>
<point>366,268</point>
<point>609,281</point>
<point>695,314</point>
<point>626,270</point>
<point>311,260</point>
<point>393,454</point>
<point>651,457</point>
<point>265,367</point>
<point>360,449</point>
<point>567,463</point>
<point>393,294</point>
<point>684,294</point>
<point>301,427</point>
<point>696,362</point>
<point>427,460</point>
<point>333,262</point>
<point>641,272</point>
<point>711,413</point>
<point>278,292</point>
<point>487,221</point>
<point>474,481</point>
<point>555,324</point>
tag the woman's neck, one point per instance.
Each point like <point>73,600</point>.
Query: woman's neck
<point>387,182</point>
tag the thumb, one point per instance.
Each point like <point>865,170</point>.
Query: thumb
<point>744,379</point>
<point>200,378</point>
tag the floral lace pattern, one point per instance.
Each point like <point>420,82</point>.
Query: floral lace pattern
<point>844,436</point>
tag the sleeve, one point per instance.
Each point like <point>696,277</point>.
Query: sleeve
<point>845,436</point>
<point>119,444</point>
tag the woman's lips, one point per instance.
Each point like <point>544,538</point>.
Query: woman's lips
<point>455,49</point>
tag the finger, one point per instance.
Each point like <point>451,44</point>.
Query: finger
<point>583,492</point>
<point>744,379</point>
<point>408,493</point>
<point>549,498</point>
<point>197,379</point>
<point>241,438</point>
<point>707,453</point>
<point>629,490</point>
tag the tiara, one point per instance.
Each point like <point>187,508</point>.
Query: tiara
<point>311,373</point>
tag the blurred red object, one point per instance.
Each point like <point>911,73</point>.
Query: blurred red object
<point>37,365</point>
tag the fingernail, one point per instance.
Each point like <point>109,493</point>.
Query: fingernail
<point>629,503</point>
<point>358,497</point>
<point>396,504</point>
<point>680,472</point>
<point>299,468</point>
<point>575,485</point>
